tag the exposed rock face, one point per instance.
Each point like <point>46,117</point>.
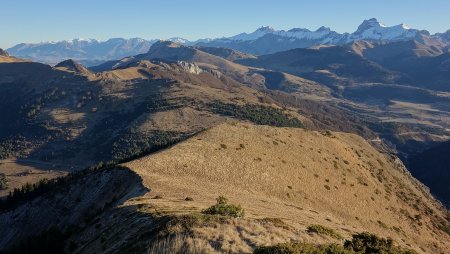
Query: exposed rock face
<point>3,53</point>
<point>190,67</point>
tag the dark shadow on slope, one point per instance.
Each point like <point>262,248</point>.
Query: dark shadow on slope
<point>28,89</point>
<point>112,137</point>
<point>66,209</point>
<point>432,167</point>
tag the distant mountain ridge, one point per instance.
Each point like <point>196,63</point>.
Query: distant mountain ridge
<point>88,52</point>
<point>369,29</point>
<point>264,40</point>
<point>267,40</point>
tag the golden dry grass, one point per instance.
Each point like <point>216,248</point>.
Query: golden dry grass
<point>11,59</point>
<point>303,177</point>
<point>20,172</point>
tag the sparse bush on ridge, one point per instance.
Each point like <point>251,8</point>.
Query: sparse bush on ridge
<point>223,208</point>
<point>319,229</point>
<point>382,224</point>
<point>275,221</point>
<point>362,180</point>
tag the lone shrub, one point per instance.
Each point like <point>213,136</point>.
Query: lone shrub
<point>223,208</point>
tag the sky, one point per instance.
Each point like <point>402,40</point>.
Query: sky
<point>54,20</point>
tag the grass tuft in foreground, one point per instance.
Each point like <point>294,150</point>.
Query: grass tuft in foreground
<point>223,208</point>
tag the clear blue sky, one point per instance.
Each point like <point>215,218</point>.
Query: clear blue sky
<point>44,20</point>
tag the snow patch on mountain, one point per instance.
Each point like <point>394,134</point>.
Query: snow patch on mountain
<point>260,32</point>
<point>370,29</point>
<point>262,41</point>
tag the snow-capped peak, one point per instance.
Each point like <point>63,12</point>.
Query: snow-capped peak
<point>372,29</point>
<point>405,26</point>
<point>369,29</point>
<point>266,29</point>
<point>80,40</point>
<point>323,29</point>
<point>295,33</point>
<point>260,32</point>
<point>178,40</point>
<point>369,24</point>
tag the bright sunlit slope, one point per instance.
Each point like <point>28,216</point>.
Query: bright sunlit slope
<point>301,177</point>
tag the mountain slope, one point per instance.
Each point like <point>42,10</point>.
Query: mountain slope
<point>274,173</point>
<point>6,58</point>
<point>253,77</point>
<point>75,108</point>
<point>226,53</point>
<point>407,109</point>
<point>70,117</point>
<point>426,65</point>
<point>329,65</point>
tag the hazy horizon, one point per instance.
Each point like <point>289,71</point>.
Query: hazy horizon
<point>51,20</point>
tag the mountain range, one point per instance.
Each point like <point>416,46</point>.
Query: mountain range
<point>264,40</point>
<point>89,52</point>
